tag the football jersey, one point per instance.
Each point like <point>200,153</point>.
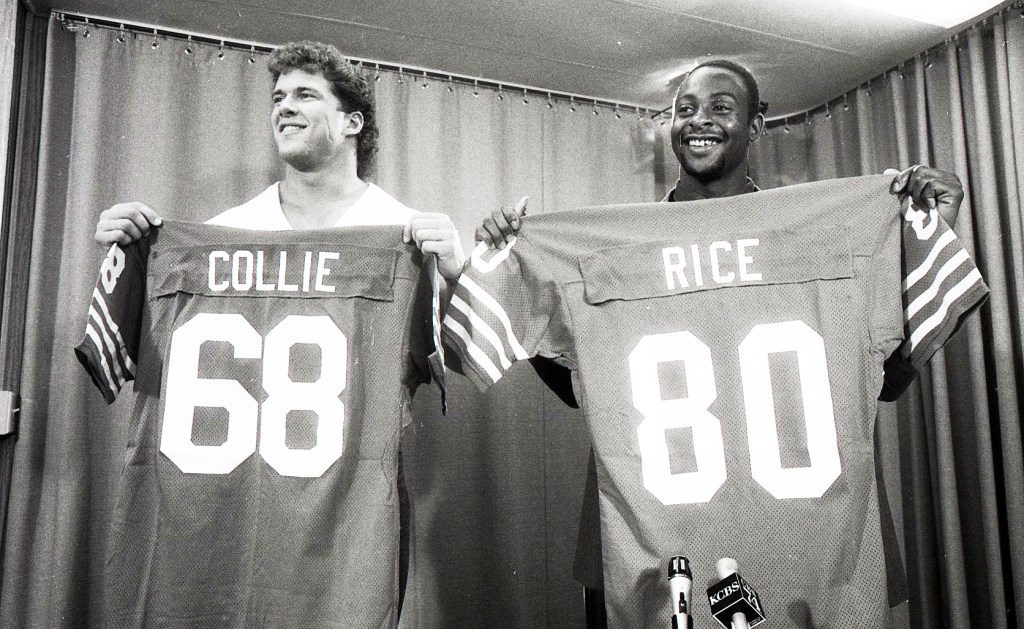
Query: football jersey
<point>273,373</point>
<point>728,355</point>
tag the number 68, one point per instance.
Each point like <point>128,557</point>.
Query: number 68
<point>185,390</point>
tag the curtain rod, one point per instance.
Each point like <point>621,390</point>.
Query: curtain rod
<point>73,21</point>
<point>843,99</point>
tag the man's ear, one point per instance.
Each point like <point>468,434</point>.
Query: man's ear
<point>756,127</point>
<point>354,123</point>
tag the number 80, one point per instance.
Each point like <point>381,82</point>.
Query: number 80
<point>661,415</point>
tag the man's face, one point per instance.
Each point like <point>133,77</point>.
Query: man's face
<point>309,124</point>
<point>710,124</point>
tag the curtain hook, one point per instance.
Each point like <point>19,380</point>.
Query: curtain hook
<point>450,87</point>
<point>252,54</point>
<point>572,103</point>
<point>595,107</point>
<point>828,114</point>
<point>376,73</point>
<point>401,76</point>
<point>618,116</point>
<point>425,77</point>
<point>188,46</point>
<point>66,24</point>
<point>220,50</point>
<point>501,94</point>
<point>155,44</point>
<point>85,31</point>
<point>120,34</point>
<point>526,100</point>
<point>551,105</point>
<point>476,88</point>
<point>786,128</point>
<point>846,102</point>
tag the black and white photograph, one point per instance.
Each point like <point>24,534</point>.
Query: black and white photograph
<point>466,314</point>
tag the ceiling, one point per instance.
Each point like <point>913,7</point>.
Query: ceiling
<point>803,52</point>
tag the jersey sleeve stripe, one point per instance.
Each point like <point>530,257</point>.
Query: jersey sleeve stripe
<point>478,358</point>
<point>435,310</point>
<point>922,300</point>
<point>479,325</point>
<point>436,360</point>
<point>921,271</point>
<point>486,300</point>
<point>126,359</point>
<point>104,374</point>
<point>112,349</point>
<point>948,299</point>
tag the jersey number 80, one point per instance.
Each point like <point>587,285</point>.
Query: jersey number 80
<point>661,415</point>
<point>185,391</point>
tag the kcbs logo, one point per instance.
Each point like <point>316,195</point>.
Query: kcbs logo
<point>723,593</point>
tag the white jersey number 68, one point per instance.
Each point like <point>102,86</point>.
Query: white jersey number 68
<point>185,391</point>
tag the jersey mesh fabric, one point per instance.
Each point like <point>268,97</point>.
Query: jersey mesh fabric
<point>729,355</point>
<point>256,499</point>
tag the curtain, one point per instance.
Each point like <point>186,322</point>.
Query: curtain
<point>495,485</point>
<point>10,12</point>
<point>950,449</point>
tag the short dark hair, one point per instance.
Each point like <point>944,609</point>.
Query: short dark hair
<point>754,103</point>
<point>348,85</point>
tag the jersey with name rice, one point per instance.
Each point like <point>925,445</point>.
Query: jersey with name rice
<point>728,356</point>
<point>273,373</point>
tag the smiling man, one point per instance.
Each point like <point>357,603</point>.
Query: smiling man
<point>324,124</point>
<point>331,332</point>
<point>717,114</point>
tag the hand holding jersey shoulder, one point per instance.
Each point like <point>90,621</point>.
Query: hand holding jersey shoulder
<point>502,225</point>
<point>931,188</point>
<point>435,233</point>
<point>125,223</point>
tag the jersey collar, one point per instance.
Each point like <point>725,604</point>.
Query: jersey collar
<point>749,187</point>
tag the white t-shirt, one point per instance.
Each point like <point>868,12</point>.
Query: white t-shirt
<point>264,213</point>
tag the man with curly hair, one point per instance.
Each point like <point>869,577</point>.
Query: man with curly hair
<point>324,125</point>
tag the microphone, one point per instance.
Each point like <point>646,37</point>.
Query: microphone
<point>679,581</point>
<point>734,604</point>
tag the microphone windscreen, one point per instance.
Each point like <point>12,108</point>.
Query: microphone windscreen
<point>725,567</point>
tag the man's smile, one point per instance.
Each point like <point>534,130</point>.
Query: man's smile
<point>290,128</point>
<point>701,142</point>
